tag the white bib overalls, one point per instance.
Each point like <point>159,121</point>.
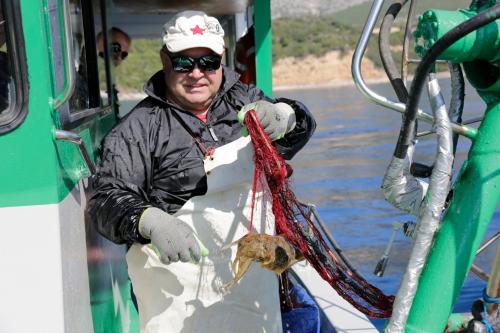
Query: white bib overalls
<point>187,297</point>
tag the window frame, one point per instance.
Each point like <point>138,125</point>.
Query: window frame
<point>16,52</point>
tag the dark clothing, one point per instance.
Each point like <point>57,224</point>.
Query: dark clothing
<point>150,157</point>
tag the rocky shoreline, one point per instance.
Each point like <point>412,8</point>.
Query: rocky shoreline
<point>331,69</point>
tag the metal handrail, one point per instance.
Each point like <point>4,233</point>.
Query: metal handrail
<point>466,122</point>
<point>488,243</point>
<point>382,100</point>
<point>76,139</point>
<point>474,268</point>
<point>322,225</point>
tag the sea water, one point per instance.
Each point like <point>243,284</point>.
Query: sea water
<point>341,169</point>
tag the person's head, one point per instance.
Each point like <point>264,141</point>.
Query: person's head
<point>120,43</point>
<point>193,45</point>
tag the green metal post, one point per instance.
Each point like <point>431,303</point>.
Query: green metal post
<point>263,45</point>
<point>477,190</point>
<point>477,193</point>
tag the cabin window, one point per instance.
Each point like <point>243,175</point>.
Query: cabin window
<point>104,66</point>
<point>91,84</point>
<point>13,87</point>
<point>92,79</point>
<point>80,98</point>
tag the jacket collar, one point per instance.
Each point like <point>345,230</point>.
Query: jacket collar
<point>155,86</point>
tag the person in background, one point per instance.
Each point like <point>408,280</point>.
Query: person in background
<point>152,162</point>
<point>120,45</point>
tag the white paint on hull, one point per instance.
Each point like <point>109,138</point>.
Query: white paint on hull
<point>44,284</point>
<point>342,315</point>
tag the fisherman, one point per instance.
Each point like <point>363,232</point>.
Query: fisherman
<point>175,175</point>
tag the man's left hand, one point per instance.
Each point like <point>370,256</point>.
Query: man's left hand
<point>276,119</point>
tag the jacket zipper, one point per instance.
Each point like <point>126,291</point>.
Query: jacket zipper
<point>212,133</point>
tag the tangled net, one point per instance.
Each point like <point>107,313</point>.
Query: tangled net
<point>295,224</point>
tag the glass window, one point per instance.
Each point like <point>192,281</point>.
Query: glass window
<point>12,83</point>
<point>91,83</point>
<point>103,42</point>
<point>103,71</point>
<point>80,98</point>
<point>5,77</point>
<point>91,91</point>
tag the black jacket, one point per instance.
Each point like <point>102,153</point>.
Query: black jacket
<point>150,158</point>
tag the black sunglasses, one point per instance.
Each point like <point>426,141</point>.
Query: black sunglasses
<point>185,64</point>
<point>117,49</point>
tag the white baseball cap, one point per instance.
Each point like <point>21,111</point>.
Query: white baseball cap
<point>189,29</point>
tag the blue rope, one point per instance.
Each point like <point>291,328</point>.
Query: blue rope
<point>488,300</point>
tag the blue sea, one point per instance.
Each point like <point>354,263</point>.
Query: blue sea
<point>341,170</point>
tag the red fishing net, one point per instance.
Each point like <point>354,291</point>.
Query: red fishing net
<point>294,222</point>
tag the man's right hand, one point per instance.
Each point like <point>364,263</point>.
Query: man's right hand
<point>173,238</point>
<point>276,119</point>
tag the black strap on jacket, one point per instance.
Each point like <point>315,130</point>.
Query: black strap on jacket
<point>207,151</point>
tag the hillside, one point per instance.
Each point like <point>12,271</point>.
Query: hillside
<point>306,49</point>
<point>297,8</point>
<point>316,48</point>
<point>356,15</point>
<point>353,12</point>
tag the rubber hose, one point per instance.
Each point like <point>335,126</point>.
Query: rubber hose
<point>457,98</point>
<point>408,128</point>
<point>385,51</point>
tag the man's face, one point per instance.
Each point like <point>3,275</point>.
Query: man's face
<point>193,90</point>
<point>119,48</point>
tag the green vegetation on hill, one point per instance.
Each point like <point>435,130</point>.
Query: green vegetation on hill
<point>299,37</point>
<point>317,35</point>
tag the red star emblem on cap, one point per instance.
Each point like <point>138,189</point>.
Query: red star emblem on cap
<point>197,30</point>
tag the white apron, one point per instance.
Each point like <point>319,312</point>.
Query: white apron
<point>187,297</point>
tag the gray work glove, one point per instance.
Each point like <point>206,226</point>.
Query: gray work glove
<point>276,119</point>
<point>173,238</point>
